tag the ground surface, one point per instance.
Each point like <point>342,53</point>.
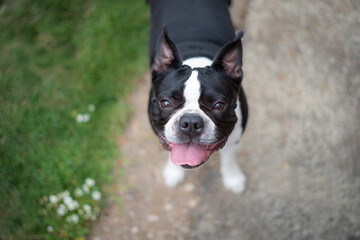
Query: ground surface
<point>300,151</point>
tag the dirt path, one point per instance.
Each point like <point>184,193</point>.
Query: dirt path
<point>148,208</point>
<point>300,152</point>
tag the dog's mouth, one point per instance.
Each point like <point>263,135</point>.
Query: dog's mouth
<point>191,155</point>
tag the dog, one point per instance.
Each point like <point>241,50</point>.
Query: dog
<point>197,105</point>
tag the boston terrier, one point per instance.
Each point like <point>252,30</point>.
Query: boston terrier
<point>197,105</point>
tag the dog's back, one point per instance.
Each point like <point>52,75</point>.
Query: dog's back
<point>198,27</point>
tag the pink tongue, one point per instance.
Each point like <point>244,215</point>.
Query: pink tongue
<point>187,153</point>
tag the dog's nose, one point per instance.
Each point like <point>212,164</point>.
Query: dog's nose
<point>191,125</point>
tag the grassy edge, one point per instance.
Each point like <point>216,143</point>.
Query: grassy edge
<point>50,89</point>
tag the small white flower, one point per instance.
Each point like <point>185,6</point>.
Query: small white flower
<point>79,118</point>
<point>61,211</point>
<point>74,218</point>
<point>50,229</point>
<point>68,200</point>
<point>63,194</point>
<point>73,205</point>
<point>86,188</point>
<point>86,117</point>
<point>78,192</point>
<point>87,208</point>
<point>53,199</point>
<point>96,195</point>
<point>91,108</point>
<point>90,182</point>
<point>76,204</point>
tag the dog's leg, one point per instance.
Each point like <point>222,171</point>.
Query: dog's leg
<point>232,176</point>
<point>173,174</point>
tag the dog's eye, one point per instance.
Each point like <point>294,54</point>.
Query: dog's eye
<point>165,104</point>
<point>219,106</point>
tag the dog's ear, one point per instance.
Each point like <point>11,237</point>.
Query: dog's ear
<point>229,58</point>
<point>166,54</point>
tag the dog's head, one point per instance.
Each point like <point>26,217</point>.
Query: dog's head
<point>193,109</point>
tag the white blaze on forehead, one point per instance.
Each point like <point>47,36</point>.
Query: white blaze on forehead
<point>192,85</point>
<point>192,92</point>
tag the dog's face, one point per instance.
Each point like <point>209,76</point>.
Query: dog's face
<point>193,110</point>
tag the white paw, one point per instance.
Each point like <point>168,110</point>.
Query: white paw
<point>234,182</point>
<point>173,174</point>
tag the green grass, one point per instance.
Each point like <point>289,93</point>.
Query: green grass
<point>56,58</point>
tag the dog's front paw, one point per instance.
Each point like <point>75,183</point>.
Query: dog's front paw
<point>173,174</point>
<point>235,182</point>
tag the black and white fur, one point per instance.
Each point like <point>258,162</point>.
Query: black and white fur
<point>196,71</point>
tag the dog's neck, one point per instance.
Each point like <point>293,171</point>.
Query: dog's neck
<point>198,62</point>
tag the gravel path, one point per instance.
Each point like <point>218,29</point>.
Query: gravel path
<point>300,151</point>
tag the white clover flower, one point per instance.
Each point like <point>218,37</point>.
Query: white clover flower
<point>87,208</point>
<point>67,200</point>
<point>73,205</point>
<point>91,108</point>
<point>96,195</point>
<point>76,204</point>
<point>53,199</point>
<point>61,211</point>
<point>74,218</point>
<point>63,194</point>
<point>90,182</point>
<point>50,229</point>
<point>78,192</point>
<point>86,117</point>
<point>93,217</point>
<point>79,118</point>
<point>86,188</point>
